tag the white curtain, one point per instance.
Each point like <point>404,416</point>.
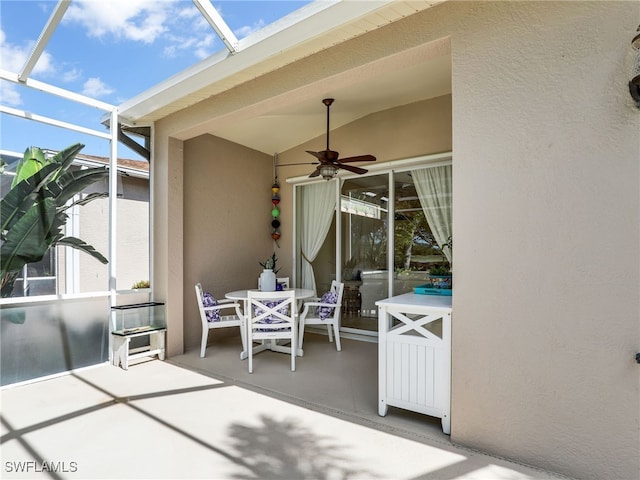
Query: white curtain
<point>434,189</point>
<point>318,204</point>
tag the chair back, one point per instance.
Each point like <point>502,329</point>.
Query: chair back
<point>338,288</point>
<point>270,314</point>
<point>200,298</point>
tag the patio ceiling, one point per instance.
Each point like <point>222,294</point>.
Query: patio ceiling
<point>299,116</point>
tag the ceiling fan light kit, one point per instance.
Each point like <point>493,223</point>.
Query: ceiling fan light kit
<point>328,171</point>
<point>329,162</point>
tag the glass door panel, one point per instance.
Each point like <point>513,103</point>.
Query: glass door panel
<point>415,248</point>
<point>364,210</point>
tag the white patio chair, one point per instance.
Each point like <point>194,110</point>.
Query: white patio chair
<point>270,317</point>
<point>211,318</point>
<point>324,312</point>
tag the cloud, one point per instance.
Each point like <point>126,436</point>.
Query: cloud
<point>139,20</point>
<point>179,27</point>
<point>95,88</point>
<point>71,75</point>
<point>9,94</point>
<point>200,46</point>
<point>13,57</point>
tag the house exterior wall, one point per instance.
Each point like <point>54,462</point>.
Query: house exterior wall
<point>546,169</point>
<point>546,183</point>
<point>132,237</point>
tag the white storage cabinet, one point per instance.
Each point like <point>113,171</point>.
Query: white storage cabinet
<point>414,355</point>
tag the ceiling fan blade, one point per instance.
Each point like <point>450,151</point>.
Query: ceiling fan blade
<point>315,173</point>
<point>303,163</point>
<point>352,168</point>
<point>319,155</point>
<point>359,158</point>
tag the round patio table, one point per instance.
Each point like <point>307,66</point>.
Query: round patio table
<point>301,294</point>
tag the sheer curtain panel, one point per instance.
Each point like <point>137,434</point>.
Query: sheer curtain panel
<point>434,189</point>
<point>318,204</point>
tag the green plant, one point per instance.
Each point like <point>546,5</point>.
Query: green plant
<point>141,284</point>
<point>33,213</point>
<point>270,263</point>
<point>440,270</point>
<point>443,269</point>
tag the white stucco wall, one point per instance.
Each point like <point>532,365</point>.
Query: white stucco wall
<point>546,157</point>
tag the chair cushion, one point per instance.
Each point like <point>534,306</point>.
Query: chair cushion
<point>209,301</point>
<point>270,319</point>
<point>328,297</point>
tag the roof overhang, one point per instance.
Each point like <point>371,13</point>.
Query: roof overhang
<point>311,29</point>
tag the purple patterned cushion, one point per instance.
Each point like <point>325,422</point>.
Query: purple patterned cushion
<point>328,297</point>
<point>270,319</point>
<point>209,301</point>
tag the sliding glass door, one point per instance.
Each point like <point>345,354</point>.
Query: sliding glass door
<point>364,212</point>
<point>383,235</point>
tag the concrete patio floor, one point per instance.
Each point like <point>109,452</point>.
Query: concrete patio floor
<point>170,420</point>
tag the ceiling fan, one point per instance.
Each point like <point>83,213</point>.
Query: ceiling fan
<point>328,160</point>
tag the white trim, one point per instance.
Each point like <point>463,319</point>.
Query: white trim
<point>51,121</point>
<point>72,255</point>
<point>45,36</point>
<point>391,230</point>
<point>18,301</point>
<point>214,19</point>
<point>113,206</point>
<point>60,92</point>
<point>376,169</point>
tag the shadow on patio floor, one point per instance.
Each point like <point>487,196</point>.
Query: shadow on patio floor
<point>161,420</point>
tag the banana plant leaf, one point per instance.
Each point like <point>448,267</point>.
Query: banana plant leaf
<point>22,196</point>
<point>32,161</point>
<point>83,246</point>
<point>33,211</point>
<point>26,241</point>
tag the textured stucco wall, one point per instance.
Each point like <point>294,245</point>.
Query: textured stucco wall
<point>546,212</point>
<point>167,207</point>
<point>227,216</point>
<point>132,238</point>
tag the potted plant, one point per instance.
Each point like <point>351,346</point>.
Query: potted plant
<point>268,275</point>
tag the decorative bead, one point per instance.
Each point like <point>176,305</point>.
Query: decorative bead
<point>275,212</point>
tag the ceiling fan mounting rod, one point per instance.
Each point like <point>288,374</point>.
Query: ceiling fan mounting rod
<point>328,102</point>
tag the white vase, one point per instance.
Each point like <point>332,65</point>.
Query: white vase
<point>268,281</point>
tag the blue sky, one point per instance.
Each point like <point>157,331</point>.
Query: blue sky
<point>110,50</point>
